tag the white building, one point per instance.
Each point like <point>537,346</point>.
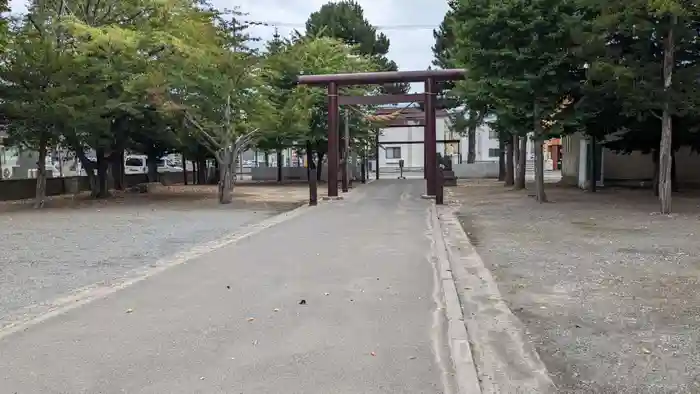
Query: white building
<point>406,142</point>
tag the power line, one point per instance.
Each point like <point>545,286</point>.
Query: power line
<point>379,27</point>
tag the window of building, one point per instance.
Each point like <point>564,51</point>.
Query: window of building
<point>393,153</point>
<point>494,152</point>
<point>493,134</point>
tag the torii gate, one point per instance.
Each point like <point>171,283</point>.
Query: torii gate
<point>428,77</point>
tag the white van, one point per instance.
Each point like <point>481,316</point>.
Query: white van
<point>137,164</point>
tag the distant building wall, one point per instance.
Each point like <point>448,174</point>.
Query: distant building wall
<point>627,168</point>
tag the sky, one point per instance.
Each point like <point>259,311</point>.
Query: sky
<point>407,23</point>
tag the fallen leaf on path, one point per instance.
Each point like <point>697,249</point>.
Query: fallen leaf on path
<point>251,318</point>
<point>129,310</point>
<point>373,354</point>
<point>276,310</point>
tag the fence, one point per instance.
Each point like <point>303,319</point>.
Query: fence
<point>21,189</point>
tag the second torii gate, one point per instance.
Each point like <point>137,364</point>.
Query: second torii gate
<point>428,77</point>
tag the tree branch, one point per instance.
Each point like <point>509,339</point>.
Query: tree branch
<point>36,26</point>
<point>212,144</point>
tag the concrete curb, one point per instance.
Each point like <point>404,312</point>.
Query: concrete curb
<point>466,377</point>
<point>505,360</point>
<point>88,294</point>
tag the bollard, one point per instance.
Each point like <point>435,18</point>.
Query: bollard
<point>439,186</point>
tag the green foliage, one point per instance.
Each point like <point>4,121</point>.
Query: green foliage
<point>519,55</point>
<point>345,21</point>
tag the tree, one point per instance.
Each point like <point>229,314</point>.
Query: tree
<point>648,52</point>
<point>282,70</point>
<point>106,52</point>
<point>218,89</point>
<point>32,96</point>
<point>327,56</point>
<point>345,21</point>
<point>474,108</point>
<point>519,58</point>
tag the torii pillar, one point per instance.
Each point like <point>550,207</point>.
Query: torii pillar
<point>429,138</point>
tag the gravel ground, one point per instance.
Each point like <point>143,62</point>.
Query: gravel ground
<point>50,253</point>
<point>606,288</point>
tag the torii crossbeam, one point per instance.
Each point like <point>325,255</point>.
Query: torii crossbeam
<point>428,77</point>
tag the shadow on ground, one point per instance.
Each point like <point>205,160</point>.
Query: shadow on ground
<point>607,288</point>
<point>273,197</point>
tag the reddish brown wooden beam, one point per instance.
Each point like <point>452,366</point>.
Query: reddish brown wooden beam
<point>416,142</point>
<point>383,77</point>
<point>395,125</point>
<point>381,99</point>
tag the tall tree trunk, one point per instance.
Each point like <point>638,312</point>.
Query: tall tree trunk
<point>540,194</point>
<point>40,195</point>
<point>665,162</point>
<point>89,167</point>
<point>117,165</point>
<point>311,175</point>
<point>201,170</point>
<point>510,162</point>
<point>521,165</point>
<point>102,166</point>
<point>225,178</point>
<point>309,158</point>
<point>279,165</point>
<point>539,155</point>
<point>501,160</point>
<point>195,172</point>
<point>184,168</point>
<point>152,164</point>
<point>471,137</point>
<point>267,159</point>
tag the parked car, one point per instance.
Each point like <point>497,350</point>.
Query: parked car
<point>137,164</point>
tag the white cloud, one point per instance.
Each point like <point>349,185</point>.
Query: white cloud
<point>410,47</point>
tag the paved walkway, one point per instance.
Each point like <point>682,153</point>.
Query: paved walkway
<point>230,321</point>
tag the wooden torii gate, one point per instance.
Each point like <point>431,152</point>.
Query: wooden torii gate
<point>428,77</point>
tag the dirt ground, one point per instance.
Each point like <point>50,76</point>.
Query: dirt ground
<point>266,196</point>
<point>75,241</point>
<point>608,289</point>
